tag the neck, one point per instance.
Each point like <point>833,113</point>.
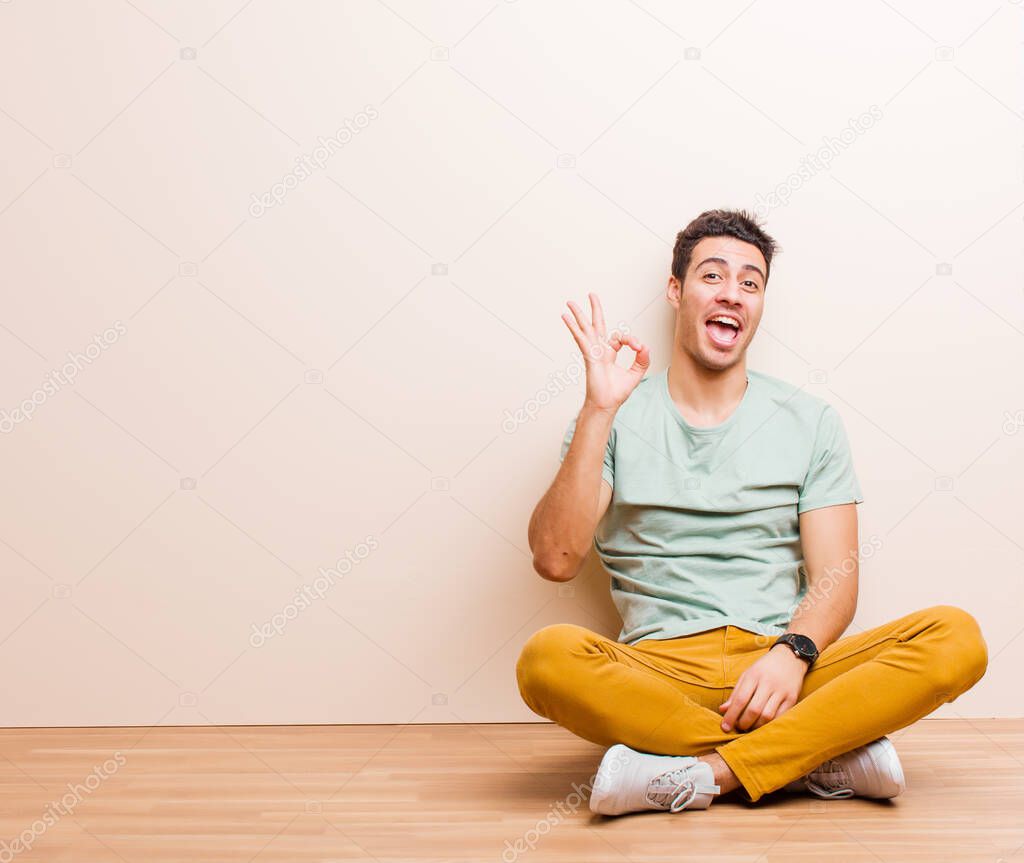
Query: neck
<point>705,397</point>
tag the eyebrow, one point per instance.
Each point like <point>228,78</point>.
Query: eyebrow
<point>724,262</point>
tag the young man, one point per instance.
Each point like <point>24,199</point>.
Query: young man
<point>724,505</point>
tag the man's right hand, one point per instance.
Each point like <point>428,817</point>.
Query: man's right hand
<point>608,385</point>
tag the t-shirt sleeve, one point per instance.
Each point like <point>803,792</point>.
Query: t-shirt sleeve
<point>608,468</point>
<point>831,478</point>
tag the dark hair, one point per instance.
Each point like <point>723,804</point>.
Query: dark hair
<point>721,223</point>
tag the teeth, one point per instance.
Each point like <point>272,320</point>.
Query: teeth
<point>722,319</point>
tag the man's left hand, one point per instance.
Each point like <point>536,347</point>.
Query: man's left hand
<point>765,690</point>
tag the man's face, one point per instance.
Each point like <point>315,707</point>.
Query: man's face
<point>726,277</point>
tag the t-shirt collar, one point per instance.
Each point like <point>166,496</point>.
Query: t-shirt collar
<point>701,430</point>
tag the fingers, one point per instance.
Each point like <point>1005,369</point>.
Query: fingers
<point>591,346</point>
<point>757,710</point>
<point>577,333</point>
<point>581,319</point>
<point>769,711</point>
<point>623,339</point>
<point>642,360</point>
<point>592,336</point>
<point>784,705</point>
<point>736,703</point>
<point>749,718</point>
<point>598,314</point>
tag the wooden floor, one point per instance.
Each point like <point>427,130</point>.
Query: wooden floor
<point>468,793</point>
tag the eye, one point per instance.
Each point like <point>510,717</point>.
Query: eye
<point>752,284</point>
<point>708,275</point>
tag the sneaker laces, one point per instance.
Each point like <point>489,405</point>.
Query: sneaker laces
<point>830,780</point>
<point>676,789</point>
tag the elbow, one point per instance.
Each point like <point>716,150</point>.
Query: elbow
<point>560,568</point>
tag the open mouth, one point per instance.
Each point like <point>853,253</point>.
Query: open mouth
<point>724,330</point>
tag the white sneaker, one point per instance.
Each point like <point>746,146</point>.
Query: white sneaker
<point>871,770</point>
<point>629,781</point>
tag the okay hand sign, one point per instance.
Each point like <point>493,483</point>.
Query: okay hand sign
<point>608,385</point>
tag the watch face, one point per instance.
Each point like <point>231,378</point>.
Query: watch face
<point>804,645</point>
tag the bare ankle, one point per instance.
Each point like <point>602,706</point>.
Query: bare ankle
<point>724,777</point>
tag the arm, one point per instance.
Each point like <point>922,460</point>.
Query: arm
<point>772,685</point>
<point>829,539</point>
<point>562,525</point>
<point>563,522</point>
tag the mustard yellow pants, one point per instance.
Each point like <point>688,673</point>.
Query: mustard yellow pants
<point>662,696</point>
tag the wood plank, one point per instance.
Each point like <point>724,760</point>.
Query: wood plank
<point>468,792</point>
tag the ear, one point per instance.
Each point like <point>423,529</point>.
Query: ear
<point>673,291</point>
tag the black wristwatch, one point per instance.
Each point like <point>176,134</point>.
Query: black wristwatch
<point>801,644</point>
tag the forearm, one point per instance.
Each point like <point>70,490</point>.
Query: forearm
<point>562,525</point>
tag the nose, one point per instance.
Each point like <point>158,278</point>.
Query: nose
<point>729,292</point>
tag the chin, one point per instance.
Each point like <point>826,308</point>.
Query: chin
<point>714,360</point>
<point>719,363</point>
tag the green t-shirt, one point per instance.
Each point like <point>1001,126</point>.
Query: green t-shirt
<point>702,529</point>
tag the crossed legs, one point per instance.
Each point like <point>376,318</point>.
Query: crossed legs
<point>662,697</point>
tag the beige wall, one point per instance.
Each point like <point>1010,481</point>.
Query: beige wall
<point>266,389</point>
